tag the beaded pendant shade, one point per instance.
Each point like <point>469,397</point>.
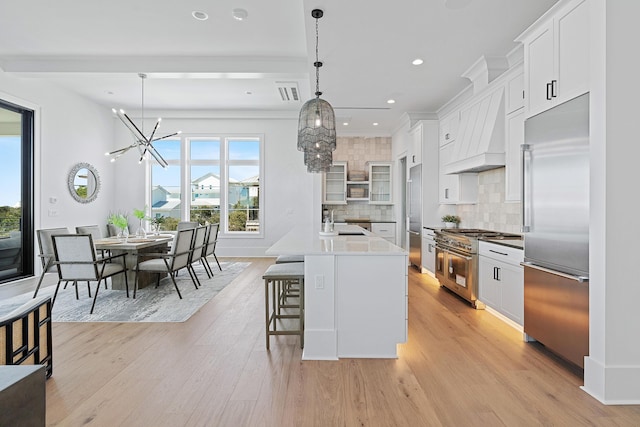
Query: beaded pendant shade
<point>318,160</point>
<point>317,123</point>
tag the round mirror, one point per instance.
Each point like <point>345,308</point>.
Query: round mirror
<point>84,183</point>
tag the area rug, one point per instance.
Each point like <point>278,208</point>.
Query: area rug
<point>151,304</point>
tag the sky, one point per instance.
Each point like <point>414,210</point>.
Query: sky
<point>10,170</point>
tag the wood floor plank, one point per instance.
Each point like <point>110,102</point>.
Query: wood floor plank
<point>460,367</point>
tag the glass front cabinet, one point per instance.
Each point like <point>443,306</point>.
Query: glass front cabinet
<point>335,184</point>
<point>380,184</point>
<point>377,190</point>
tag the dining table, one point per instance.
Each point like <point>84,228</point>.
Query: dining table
<point>133,247</point>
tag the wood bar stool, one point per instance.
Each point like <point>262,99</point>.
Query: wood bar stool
<point>277,279</point>
<point>291,288</point>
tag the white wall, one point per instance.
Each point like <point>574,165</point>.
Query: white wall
<point>69,129</point>
<point>612,369</point>
<point>289,197</point>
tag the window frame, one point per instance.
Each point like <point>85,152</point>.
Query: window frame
<point>185,163</point>
<point>27,194</point>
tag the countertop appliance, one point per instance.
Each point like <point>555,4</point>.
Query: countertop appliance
<point>414,213</point>
<point>556,226</point>
<point>457,259</point>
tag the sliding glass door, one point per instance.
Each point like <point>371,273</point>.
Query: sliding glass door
<point>16,197</point>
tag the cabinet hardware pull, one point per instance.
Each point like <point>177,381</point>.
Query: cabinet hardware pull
<point>554,83</point>
<point>498,274</point>
<point>494,273</point>
<point>499,253</point>
<point>446,193</point>
<point>549,91</point>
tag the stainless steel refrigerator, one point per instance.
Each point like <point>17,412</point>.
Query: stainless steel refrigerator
<point>414,211</point>
<point>556,226</point>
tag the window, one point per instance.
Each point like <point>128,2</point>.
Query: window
<point>205,180</point>
<point>165,184</point>
<point>223,176</point>
<point>243,184</point>
<point>16,197</point>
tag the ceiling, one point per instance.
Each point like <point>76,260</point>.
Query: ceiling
<point>225,66</point>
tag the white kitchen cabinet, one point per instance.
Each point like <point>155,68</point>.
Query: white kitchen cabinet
<point>429,251</point>
<point>513,158</point>
<point>415,145</point>
<point>335,184</point>
<point>386,230</point>
<point>449,126</point>
<point>556,56</point>
<point>380,183</point>
<point>459,188</point>
<point>501,280</point>
<point>514,93</point>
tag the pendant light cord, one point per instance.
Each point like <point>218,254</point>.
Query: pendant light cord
<point>317,64</point>
<point>142,76</point>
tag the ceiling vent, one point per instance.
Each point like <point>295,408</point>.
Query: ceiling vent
<point>288,91</point>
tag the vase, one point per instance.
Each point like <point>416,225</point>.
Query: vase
<point>123,234</point>
<point>450,225</point>
<point>141,232</point>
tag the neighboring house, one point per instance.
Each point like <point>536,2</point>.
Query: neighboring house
<point>164,202</point>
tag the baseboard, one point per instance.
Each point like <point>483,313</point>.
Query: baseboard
<point>612,385</point>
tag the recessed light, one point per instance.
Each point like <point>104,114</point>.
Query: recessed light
<point>345,124</point>
<point>417,61</point>
<point>240,14</point>
<point>391,101</point>
<point>375,123</point>
<point>199,15</point>
<point>248,92</point>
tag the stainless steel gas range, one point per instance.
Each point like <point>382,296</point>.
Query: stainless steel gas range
<point>457,259</point>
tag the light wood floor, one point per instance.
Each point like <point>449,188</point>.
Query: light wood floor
<point>460,367</point>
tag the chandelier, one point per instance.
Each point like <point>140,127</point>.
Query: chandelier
<point>143,144</point>
<point>317,123</point>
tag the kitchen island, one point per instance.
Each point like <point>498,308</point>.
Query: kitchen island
<point>355,292</point>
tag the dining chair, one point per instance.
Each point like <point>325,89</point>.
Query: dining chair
<point>112,230</point>
<point>197,248</point>
<point>183,225</point>
<point>96,233</point>
<point>47,256</point>
<point>168,262</point>
<point>210,248</point>
<point>75,257</point>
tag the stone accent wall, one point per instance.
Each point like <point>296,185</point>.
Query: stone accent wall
<point>357,151</point>
<point>491,212</point>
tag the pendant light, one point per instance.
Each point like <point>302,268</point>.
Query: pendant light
<point>317,123</point>
<point>143,143</point>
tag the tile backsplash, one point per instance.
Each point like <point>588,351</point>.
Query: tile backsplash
<point>357,151</point>
<point>491,212</point>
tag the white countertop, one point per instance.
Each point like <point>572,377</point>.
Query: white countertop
<point>308,241</point>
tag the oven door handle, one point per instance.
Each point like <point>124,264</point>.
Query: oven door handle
<point>449,251</point>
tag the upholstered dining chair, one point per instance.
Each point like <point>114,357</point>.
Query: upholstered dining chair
<point>184,225</point>
<point>47,257</point>
<point>75,257</point>
<point>96,233</point>
<point>210,248</point>
<point>168,262</point>
<point>197,247</point>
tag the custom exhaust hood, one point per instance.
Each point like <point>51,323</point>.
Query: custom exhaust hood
<point>480,144</point>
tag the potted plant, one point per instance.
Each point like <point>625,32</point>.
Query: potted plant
<point>121,222</point>
<point>156,223</point>
<point>451,221</point>
<point>141,215</point>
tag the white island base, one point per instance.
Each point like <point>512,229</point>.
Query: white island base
<point>355,294</point>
